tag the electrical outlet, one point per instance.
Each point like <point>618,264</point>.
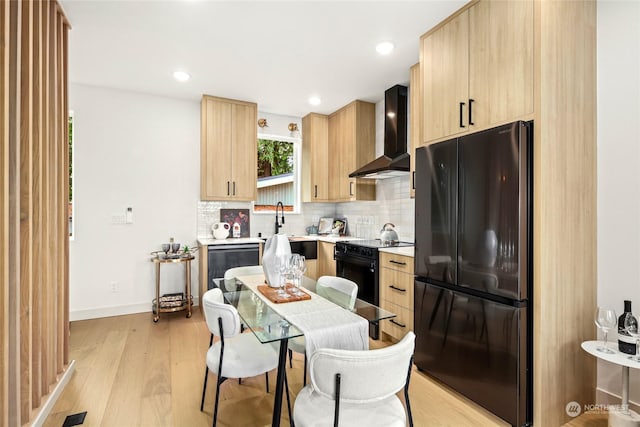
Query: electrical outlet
<point>114,287</point>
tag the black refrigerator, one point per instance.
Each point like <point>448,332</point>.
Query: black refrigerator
<point>473,267</point>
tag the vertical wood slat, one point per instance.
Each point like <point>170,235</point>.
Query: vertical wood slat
<point>46,162</point>
<point>4,213</point>
<point>14,212</point>
<point>26,238</point>
<point>63,176</point>
<point>37,254</point>
<point>65,108</point>
<point>33,195</point>
<point>51,181</point>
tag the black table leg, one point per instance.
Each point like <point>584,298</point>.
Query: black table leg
<point>277,404</point>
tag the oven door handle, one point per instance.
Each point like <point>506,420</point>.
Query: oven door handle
<point>358,261</point>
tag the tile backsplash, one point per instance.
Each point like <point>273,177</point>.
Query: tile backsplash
<point>392,204</point>
<point>365,219</point>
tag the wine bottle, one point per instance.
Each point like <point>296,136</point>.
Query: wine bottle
<point>626,344</point>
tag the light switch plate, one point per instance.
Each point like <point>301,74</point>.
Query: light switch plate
<point>118,219</point>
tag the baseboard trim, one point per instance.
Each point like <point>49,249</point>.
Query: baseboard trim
<point>118,310</point>
<point>606,397</point>
<point>45,410</point>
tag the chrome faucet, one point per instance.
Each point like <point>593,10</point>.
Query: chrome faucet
<point>279,225</point>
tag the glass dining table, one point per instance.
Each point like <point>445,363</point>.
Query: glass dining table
<point>270,325</point>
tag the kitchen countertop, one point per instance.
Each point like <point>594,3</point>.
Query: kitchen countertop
<point>404,250</point>
<point>231,240</point>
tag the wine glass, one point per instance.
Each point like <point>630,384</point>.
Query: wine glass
<point>302,268</point>
<point>605,319</point>
<point>631,326</point>
<point>295,272</point>
<point>165,248</point>
<point>284,267</point>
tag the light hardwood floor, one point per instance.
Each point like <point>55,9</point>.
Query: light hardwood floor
<point>132,372</point>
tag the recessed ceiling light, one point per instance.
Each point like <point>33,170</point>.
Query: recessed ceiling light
<point>181,76</point>
<point>315,100</point>
<point>384,48</point>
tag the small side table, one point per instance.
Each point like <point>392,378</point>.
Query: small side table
<point>626,417</point>
<point>187,301</point>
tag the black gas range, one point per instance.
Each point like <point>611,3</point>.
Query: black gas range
<point>357,260</point>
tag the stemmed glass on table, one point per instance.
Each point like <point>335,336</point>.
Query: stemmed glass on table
<point>284,268</point>
<point>298,269</point>
<point>605,319</point>
<point>631,326</point>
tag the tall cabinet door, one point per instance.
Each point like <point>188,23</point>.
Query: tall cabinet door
<point>500,61</point>
<point>415,122</point>
<point>244,150</point>
<point>339,158</point>
<point>315,158</point>
<point>216,137</point>
<point>445,78</point>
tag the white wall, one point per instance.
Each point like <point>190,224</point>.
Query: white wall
<point>618,171</point>
<point>135,150</point>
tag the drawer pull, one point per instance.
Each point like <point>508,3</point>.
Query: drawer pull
<point>397,289</point>
<point>397,323</point>
<point>397,262</point>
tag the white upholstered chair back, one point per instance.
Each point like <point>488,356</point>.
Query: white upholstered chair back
<point>366,376</point>
<point>338,290</point>
<point>214,308</point>
<point>249,270</point>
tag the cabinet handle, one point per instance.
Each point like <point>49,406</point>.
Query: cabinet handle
<point>397,323</point>
<point>392,261</point>
<point>397,289</point>
<point>461,107</point>
<point>316,191</point>
<point>351,188</point>
<point>228,189</point>
<point>234,188</point>
<point>471,101</point>
<point>413,179</point>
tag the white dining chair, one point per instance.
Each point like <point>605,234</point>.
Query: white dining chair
<point>234,355</point>
<point>338,290</point>
<point>357,388</point>
<point>249,270</point>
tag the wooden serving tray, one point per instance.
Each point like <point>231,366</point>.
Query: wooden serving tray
<point>272,294</point>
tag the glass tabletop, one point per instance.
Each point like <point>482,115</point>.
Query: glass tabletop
<point>371,312</point>
<point>270,326</point>
<point>266,324</point>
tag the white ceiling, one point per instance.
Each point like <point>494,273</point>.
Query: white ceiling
<point>277,54</point>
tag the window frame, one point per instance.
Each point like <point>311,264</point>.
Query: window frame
<point>297,176</point>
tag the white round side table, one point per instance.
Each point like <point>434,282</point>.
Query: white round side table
<point>625,417</point>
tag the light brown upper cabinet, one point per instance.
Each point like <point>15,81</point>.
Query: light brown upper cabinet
<point>315,158</point>
<point>228,149</point>
<point>478,69</point>
<point>351,145</point>
<point>415,122</point>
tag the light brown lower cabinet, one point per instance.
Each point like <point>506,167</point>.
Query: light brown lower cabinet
<point>326,263</point>
<point>396,293</point>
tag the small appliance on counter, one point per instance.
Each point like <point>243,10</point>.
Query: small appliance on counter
<point>388,235</point>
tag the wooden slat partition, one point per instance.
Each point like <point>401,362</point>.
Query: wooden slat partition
<point>4,213</point>
<point>33,205</point>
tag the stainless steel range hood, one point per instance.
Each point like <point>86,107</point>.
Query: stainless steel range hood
<point>395,161</point>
